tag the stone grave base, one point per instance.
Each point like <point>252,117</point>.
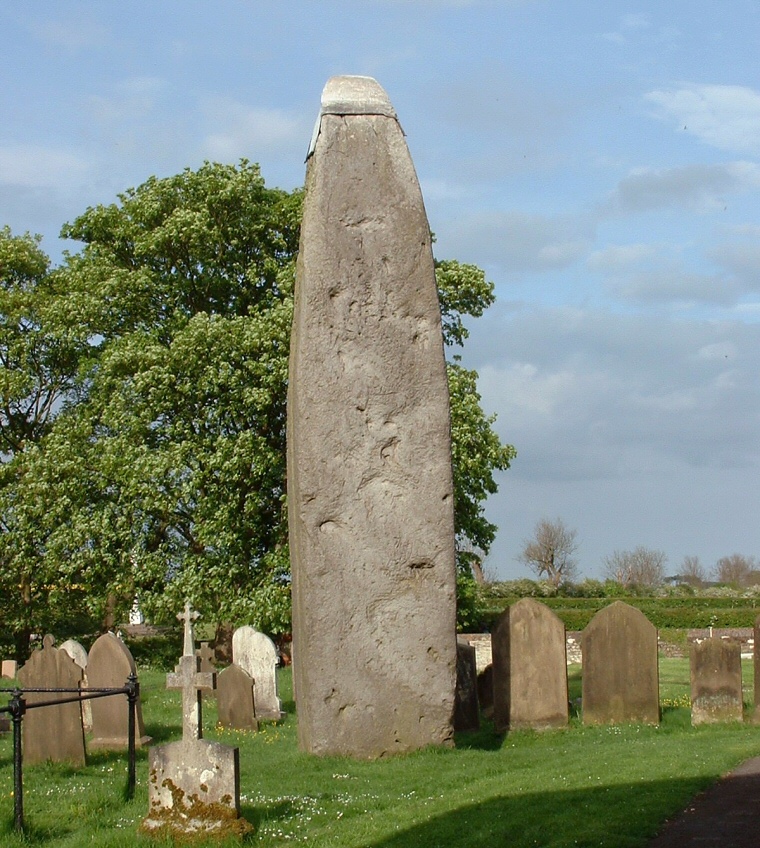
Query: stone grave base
<point>194,791</point>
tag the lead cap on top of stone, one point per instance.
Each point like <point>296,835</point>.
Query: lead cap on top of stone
<point>352,95</point>
<point>355,95</point>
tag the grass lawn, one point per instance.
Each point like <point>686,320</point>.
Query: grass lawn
<point>584,786</point>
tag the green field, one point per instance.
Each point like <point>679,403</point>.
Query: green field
<point>584,786</point>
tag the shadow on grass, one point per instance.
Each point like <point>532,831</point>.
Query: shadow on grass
<point>163,732</point>
<point>485,739</point>
<point>624,816</point>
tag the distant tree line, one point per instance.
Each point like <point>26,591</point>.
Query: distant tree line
<point>551,555</point>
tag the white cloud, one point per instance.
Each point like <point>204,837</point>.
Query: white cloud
<point>621,257</point>
<point>72,35</point>
<point>35,166</point>
<point>676,284</point>
<point>518,242</point>
<point>246,131</point>
<point>724,116</point>
<point>587,395</point>
<point>701,188</point>
<point>719,350</point>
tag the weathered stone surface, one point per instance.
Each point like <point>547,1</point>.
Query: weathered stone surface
<point>620,676</point>
<point>193,785</point>
<point>466,710</point>
<point>109,665</point>
<point>529,668</point>
<point>194,788</point>
<point>78,653</point>
<point>234,698</point>
<point>205,654</point>
<point>485,691</point>
<point>756,665</point>
<point>9,669</point>
<point>716,681</point>
<point>369,449</point>
<point>256,654</point>
<point>52,733</point>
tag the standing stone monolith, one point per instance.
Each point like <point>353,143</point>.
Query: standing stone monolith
<point>620,676</point>
<point>370,492</point>
<point>529,668</point>
<point>716,681</point>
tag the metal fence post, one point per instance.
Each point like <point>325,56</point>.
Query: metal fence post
<point>18,708</point>
<point>133,692</point>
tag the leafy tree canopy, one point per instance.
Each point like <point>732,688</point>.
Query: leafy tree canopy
<point>144,402</point>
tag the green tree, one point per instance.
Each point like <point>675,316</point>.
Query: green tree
<point>40,356</point>
<point>164,473</point>
<point>550,552</point>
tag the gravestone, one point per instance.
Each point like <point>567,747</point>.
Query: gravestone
<point>205,654</point>
<point>466,712</point>
<point>235,700</point>
<point>51,733</point>
<point>485,691</point>
<point>109,665</point>
<point>9,669</point>
<point>370,492</point>
<point>716,681</point>
<point>78,653</point>
<point>256,654</point>
<point>620,680</point>
<point>756,666</point>
<point>529,668</point>
<point>193,784</point>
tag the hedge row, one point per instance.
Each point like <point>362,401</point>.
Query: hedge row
<point>681,613</point>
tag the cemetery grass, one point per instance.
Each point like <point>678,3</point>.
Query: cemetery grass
<point>584,786</point>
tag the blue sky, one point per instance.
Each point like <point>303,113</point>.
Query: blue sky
<point>600,161</point>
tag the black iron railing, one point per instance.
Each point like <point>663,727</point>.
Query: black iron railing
<point>17,707</point>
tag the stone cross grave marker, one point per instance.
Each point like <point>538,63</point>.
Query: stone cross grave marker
<point>189,679</point>
<point>52,733</point>
<point>193,784</point>
<point>716,681</point>
<point>529,668</point>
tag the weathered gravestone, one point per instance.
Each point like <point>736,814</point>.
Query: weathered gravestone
<point>620,677</point>
<point>466,712</point>
<point>52,733</point>
<point>109,665</point>
<point>370,493</point>
<point>205,654</point>
<point>529,668</point>
<point>235,699</point>
<point>194,784</point>
<point>716,681</point>
<point>756,666</point>
<point>256,654</point>
<point>78,653</point>
<point>9,669</point>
